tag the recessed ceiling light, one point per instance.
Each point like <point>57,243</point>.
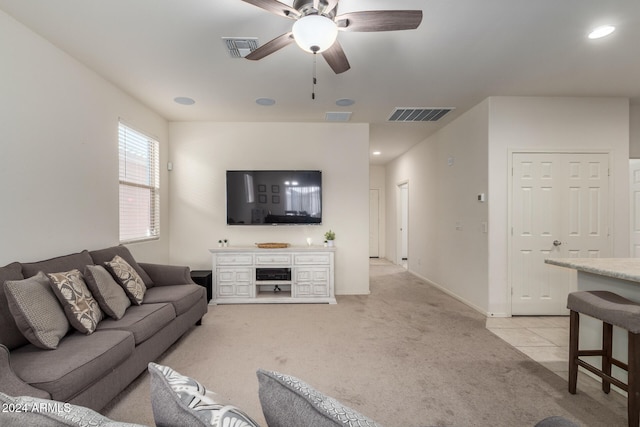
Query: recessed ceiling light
<point>184,100</point>
<point>376,153</point>
<point>265,101</point>
<point>602,31</point>
<point>345,102</point>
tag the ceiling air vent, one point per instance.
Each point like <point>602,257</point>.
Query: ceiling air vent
<point>239,47</point>
<point>339,116</point>
<point>418,114</point>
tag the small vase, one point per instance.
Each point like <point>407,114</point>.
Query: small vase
<point>330,243</point>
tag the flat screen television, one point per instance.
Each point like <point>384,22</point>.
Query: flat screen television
<point>273,197</point>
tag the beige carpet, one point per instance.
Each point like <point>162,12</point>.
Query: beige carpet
<point>406,355</point>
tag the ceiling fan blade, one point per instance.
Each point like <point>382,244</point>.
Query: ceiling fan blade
<point>380,20</point>
<point>271,46</point>
<point>336,58</point>
<point>276,7</point>
<point>331,4</point>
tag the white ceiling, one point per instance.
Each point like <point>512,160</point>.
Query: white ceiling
<point>463,52</point>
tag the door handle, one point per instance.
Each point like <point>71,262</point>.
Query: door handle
<point>557,243</point>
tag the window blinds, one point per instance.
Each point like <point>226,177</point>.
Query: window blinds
<point>139,186</point>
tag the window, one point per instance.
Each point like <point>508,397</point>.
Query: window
<point>303,199</point>
<point>139,186</point>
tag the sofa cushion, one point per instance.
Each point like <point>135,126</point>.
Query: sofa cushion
<point>141,320</point>
<point>104,255</point>
<point>288,402</point>
<point>37,311</point>
<point>128,278</point>
<point>177,400</point>
<point>61,263</point>
<point>79,361</point>
<point>81,309</point>
<point>48,413</point>
<point>10,335</point>
<point>106,291</point>
<point>182,297</point>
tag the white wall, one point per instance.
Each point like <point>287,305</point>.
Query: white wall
<point>446,172</point>
<point>202,152</point>
<point>59,152</point>
<point>552,124</point>
<point>377,182</point>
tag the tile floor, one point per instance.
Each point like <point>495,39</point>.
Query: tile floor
<point>546,340</point>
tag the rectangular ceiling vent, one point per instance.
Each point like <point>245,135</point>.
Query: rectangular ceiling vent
<point>239,47</point>
<point>418,114</point>
<point>339,116</point>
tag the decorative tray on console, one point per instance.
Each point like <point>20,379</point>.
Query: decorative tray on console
<point>272,245</point>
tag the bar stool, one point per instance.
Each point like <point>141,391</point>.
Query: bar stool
<point>612,310</point>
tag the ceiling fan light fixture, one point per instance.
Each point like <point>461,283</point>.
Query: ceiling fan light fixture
<point>315,33</point>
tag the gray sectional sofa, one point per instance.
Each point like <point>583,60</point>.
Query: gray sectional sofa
<point>91,369</point>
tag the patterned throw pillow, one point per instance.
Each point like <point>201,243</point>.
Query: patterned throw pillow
<point>81,308</point>
<point>109,294</point>
<point>288,402</point>
<point>128,278</point>
<point>178,400</point>
<point>37,311</point>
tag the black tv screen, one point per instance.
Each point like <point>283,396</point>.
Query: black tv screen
<point>256,197</point>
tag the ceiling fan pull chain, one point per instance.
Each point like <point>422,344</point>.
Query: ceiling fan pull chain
<point>314,80</point>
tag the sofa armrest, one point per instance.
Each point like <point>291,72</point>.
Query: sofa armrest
<point>163,275</point>
<point>11,384</point>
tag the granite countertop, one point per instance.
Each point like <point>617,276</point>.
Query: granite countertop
<point>619,268</point>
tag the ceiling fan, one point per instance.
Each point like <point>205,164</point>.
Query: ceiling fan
<point>317,24</point>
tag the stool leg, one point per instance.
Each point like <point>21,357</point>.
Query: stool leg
<point>633,399</point>
<point>574,331</point>
<point>607,345</point>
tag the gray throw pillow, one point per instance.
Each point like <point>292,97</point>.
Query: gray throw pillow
<point>127,277</point>
<point>109,294</point>
<point>556,421</point>
<point>288,402</point>
<point>78,303</point>
<point>10,335</point>
<point>31,411</point>
<point>177,400</point>
<point>36,310</point>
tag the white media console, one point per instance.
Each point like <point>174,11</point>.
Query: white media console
<point>251,275</point>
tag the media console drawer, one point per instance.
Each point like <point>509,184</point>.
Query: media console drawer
<point>235,259</point>
<point>311,259</point>
<point>275,259</point>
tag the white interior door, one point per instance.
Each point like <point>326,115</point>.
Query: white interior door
<point>374,220</point>
<point>404,224</point>
<point>559,209</point>
<point>634,177</point>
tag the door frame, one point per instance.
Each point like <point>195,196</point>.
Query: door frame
<point>632,212</point>
<point>375,191</point>
<point>550,150</point>
<point>399,217</point>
